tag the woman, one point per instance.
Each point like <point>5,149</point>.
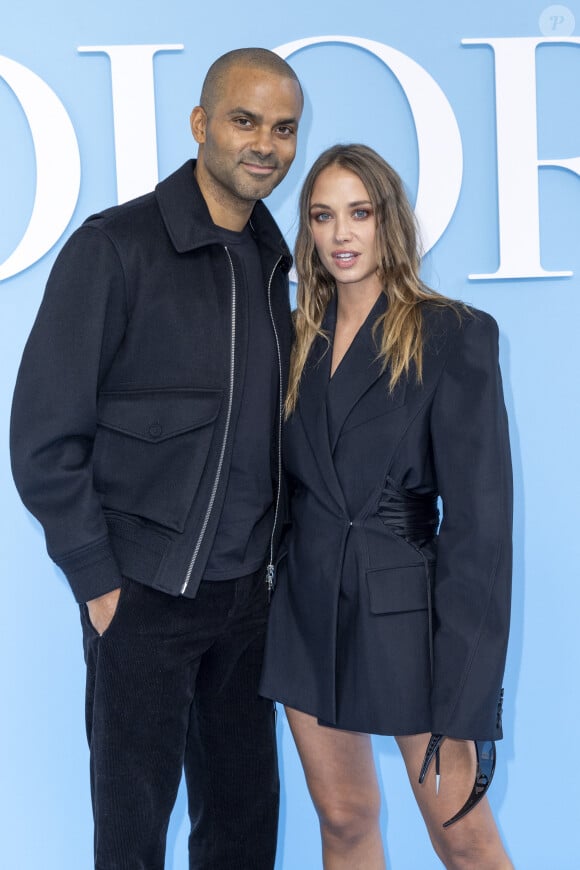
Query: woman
<point>382,621</point>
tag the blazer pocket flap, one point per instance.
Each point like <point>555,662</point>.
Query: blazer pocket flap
<point>155,415</point>
<point>396,590</point>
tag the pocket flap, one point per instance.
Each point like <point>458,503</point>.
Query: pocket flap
<point>155,415</point>
<point>395,590</point>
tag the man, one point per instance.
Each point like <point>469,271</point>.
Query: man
<point>146,439</point>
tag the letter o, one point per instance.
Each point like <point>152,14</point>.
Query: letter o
<point>438,136</point>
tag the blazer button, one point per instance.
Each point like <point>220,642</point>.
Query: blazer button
<point>155,430</point>
<point>499,710</point>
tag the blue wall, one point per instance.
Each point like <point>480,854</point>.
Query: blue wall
<point>489,227</point>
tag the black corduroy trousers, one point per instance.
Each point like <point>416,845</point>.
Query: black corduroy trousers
<point>172,685</point>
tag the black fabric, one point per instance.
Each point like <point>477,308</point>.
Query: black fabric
<point>121,400</point>
<point>349,628</point>
<point>122,436</point>
<point>245,525</point>
<point>172,685</point>
<point>412,515</point>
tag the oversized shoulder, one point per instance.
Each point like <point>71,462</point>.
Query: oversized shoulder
<point>457,329</point>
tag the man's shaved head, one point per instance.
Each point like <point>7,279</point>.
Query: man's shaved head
<point>253,58</point>
<point>246,128</point>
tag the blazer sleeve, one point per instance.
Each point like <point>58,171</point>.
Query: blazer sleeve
<point>472,584</point>
<point>80,324</point>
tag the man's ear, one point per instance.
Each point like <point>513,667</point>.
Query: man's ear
<point>198,123</point>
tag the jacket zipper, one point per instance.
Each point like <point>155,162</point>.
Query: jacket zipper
<point>270,566</point>
<point>226,430</point>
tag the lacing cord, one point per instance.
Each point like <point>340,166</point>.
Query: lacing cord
<point>415,518</point>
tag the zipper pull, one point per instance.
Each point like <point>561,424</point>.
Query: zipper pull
<point>270,579</point>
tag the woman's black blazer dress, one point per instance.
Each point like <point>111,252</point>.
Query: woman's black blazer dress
<point>373,628</point>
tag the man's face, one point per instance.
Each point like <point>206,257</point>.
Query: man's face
<point>248,141</point>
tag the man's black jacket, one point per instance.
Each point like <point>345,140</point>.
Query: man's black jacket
<point>130,387</point>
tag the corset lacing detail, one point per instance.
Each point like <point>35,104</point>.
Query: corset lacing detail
<point>415,518</point>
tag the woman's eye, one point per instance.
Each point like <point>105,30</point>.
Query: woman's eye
<point>361,213</point>
<point>321,217</point>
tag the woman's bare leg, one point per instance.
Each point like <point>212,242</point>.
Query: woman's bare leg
<point>473,843</point>
<point>342,780</point>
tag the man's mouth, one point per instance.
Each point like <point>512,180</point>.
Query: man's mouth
<point>258,168</point>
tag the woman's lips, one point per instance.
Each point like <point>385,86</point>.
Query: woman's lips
<point>344,259</point>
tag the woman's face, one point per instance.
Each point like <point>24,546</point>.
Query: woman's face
<point>343,225</point>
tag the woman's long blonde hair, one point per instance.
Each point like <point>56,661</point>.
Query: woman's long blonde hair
<point>396,241</point>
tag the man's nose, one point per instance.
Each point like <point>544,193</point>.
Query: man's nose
<point>263,143</point>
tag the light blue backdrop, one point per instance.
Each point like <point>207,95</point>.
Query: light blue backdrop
<point>351,95</point>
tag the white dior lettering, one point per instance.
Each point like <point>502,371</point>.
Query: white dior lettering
<point>133,114</point>
<point>58,166</point>
<point>438,138</point>
<point>517,156</point>
<point>439,144</point>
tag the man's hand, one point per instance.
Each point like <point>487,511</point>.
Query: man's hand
<point>102,610</point>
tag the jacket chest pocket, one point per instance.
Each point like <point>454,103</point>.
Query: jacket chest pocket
<point>151,450</point>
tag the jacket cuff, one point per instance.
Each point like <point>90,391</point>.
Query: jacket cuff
<point>91,572</point>
<point>465,725</point>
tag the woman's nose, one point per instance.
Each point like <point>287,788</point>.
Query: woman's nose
<point>342,231</point>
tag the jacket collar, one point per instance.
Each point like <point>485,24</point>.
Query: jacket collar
<point>189,224</point>
<point>360,367</point>
<point>358,371</point>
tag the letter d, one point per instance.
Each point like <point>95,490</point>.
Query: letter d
<point>58,166</point>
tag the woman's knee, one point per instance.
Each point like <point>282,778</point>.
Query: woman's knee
<point>470,851</point>
<point>349,819</point>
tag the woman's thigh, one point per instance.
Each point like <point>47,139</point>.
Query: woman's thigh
<point>339,765</point>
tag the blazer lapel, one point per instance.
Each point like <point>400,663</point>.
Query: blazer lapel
<point>357,372</point>
<point>312,406</point>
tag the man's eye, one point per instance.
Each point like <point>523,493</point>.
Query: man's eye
<point>242,122</point>
<point>286,131</point>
